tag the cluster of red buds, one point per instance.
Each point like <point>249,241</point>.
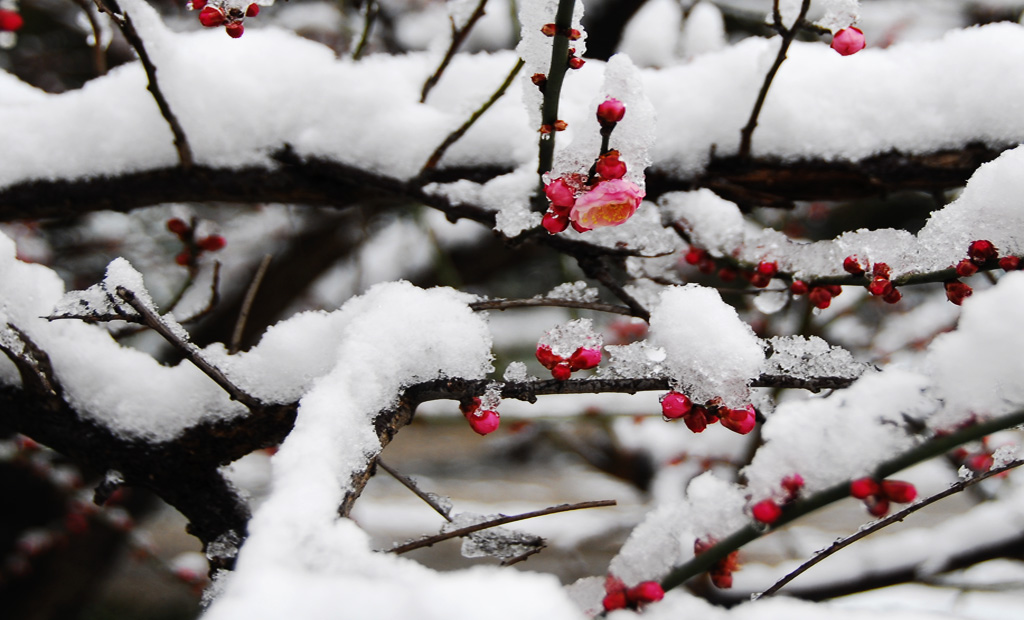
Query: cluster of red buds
<point>980,254</point>
<point>619,596</point>
<point>877,495</point>
<point>603,199</point>
<point>193,247</point>
<point>768,511</point>
<point>583,358</point>
<point>482,421</point>
<point>848,41</point>
<point>759,277</point>
<point>676,405</point>
<point>218,13</point>
<point>10,21</point>
<point>550,30</point>
<point>721,572</point>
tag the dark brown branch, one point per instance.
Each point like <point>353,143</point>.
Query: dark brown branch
<point>505,304</point>
<point>461,131</point>
<point>882,523</point>
<point>189,350</point>
<point>412,486</point>
<point>458,36</point>
<point>596,268</point>
<point>465,531</point>
<point>124,22</point>
<point>250,297</point>
<point>788,34</point>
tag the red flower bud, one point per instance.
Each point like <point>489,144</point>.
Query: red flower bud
<point>10,21</point>
<point>694,255</point>
<point>609,166</point>
<point>798,287</point>
<point>252,10</point>
<point>965,268</point>
<point>645,592</point>
<point>768,269</point>
<point>766,511</point>
<point>484,422</point>
<point>547,358</point>
<point>614,600</point>
<point>852,265</point>
<point>235,29</point>
<point>863,488</point>
<point>178,226</point>
<point>211,17</point>
<point>877,506</point>
<point>899,491</point>
<point>675,405</point>
<point>820,297</point>
<point>957,291</point>
<point>196,5</point>
<point>585,358</point>
<point>213,242</point>
<point>561,371</point>
<point>184,258</point>
<point>549,30</point>
<point>893,296</point>
<point>982,251</point>
<point>848,41</point>
<point>1009,263</point>
<point>696,419</point>
<point>610,112</point>
<point>575,62</point>
<point>881,270</point>
<point>880,287</point>
<point>554,222</point>
<point>561,125</point>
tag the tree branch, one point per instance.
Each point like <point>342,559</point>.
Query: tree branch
<point>458,36</point>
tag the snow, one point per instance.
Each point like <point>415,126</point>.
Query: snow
<point>710,351</point>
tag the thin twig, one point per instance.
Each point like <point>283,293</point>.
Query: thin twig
<point>930,449</point>
<point>788,34</point>
<point>458,36</point>
<point>124,22</point>
<point>372,9</point>
<point>465,531</point>
<point>505,304</point>
<point>595,268</point>
<point>409,484</point>
<point>99,57</point>
<point>881,523</point>
<point>190,351</point>
<point>553,85</point>
<point>461,131</point>
<point>250,297</point>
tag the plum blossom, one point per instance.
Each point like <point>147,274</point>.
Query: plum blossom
<point>609,203</point>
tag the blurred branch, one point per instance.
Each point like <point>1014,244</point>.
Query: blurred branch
<point>124,22</point>
<point>465,531</point>
<point>882,523</point>
<point>250,297</point>
<point>369,17</point>
<point>99,57</point>
<point>458,36</point>
<point>505,304</point>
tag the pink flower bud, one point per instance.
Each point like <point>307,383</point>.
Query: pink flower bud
<point>561,371</point>
<point>10,21</point>
<point>559,193</point>
<point>211,17</point>
<point>585,358</point>
<point>484,422</point>
<point>766,511</point>
<point>609,166</point>
<point>792,484</point>
<point>610,112</point>
<point>645,592</point>
<point>609,203</point>
<point>899,491</point>
<point>252,10</point>
<point>614,600</point>
<point>741,420</point>
<point>675,405</point>
<point>848,41</point>
<point>547,358</point>
<point>554,223</point>
<point>863,488</point>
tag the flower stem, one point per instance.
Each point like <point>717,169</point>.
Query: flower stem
<point>553,87</point>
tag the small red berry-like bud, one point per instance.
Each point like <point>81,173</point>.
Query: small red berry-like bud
<point>252,10</point>
<point>675,405</point>
<point>196,5</point>
<point>982,251</point>
<point>554,223</point>
<point>484,422</point>
<point>574,35</point>
<point>768,269</point>
<point>212,243</point>
<point>614,600</point>
<point>177,226</point>
<point>539,79</point>
<point>183,258</point>
<point>740,421</point>
<point>211,17</point>
<point>580,228</point>
<point>561,371</point>
<point>966,268</point>
<point>820,297</point>
<point>235,29</point>
<point>893,296</point>
<point>609,166</point>
<point>1009,263</point>
<point>610,112</point>
<point>645,592</point>
<point>547,358</point>
<point>585,358</point>
<point>979,463</point>
<point>766,511</point>
<point>561,125</point>
<point>880,287</point>
<point>575,62</point>
<point>697,419</point>
<point>881,270</point>
<point>706,264</point>
<point>957,291</point>
<point>760,280</point>
<point>727,274</point>
<point>798,287</point>
<point>899,491</point>
<point>694,255</point>
<point>848,41</point>
<point>549,30</point>
<point>863,488</point>
<point>10,21</point>
<point>560,194</point>
<point>834,289</point>
<point>852,265</point>
<point>877,506</point>
<point>792,484</point>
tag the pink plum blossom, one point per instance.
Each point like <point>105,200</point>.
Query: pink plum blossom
<point>848,41</point>
<point>609,203</point>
